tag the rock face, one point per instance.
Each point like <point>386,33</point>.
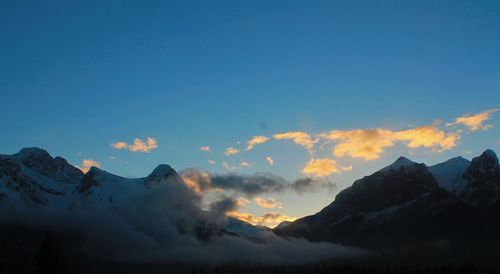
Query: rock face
<point>408,203</point>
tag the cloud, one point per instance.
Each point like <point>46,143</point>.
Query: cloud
<point>87,164</point>
<point>323,167</point>
<point>475,122</point>
<point>224,205</point>
<point>369,144</point>
<point>244,164</point>
<point>205,148</point>
<point>120,145</point>
<point>256,140</point>
<point>310,184</point>
<point>360,143</point>
<point>267,202</point>
<point>429,137</point>
<point>228,167</point>
<point>270,160</point>
<point>249,186</point>
<point>138,145</point>
<point>300,138</point>
<point>231,151</point>
<point>270,219</point>
<point>212,162</point>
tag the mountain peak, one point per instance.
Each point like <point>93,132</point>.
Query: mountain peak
<point>489,154</point>
<point>33,153</point>
<point>487,162</point>
<point>400,162</point>
<point>161,172</point>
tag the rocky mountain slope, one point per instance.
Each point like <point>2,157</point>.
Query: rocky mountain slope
<point>407,203</point>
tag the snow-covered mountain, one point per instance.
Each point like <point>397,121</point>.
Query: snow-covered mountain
<point>408,202</point>
<point>32,180</point>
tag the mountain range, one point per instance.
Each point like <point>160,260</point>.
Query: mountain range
<point>406,203</point>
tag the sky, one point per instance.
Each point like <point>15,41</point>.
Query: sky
<point>331,90</point>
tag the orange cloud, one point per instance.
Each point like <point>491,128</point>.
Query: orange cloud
<point>231,151</point>
<point>300,138</point>
<point>361,143</point>
<point>87,164</point>
<point>270,219</point>
<point>267,202</point>
<point>369,144</point>
<point>205,148</point>
<point>138,145</point>
<point>270,160</point>
<point>256,140</point>
<point>429,137</point>
<point>323,167</point>
<point>475,121</point>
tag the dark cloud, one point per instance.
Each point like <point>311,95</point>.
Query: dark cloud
<point>256,184</point>
<point>223,205</point>
<point>309,184</point>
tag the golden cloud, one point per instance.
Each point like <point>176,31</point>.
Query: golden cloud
<point>323,167</point>
<point>205,148</point>
<point>87,164</point>
<point>231,151</point>
<point>429,137</point>
<point>256,140</point>
<point>270,219</point>
<point>475,121</point>
<point>300,138</point>
<point>119,145</point>
<point>138,145</point>
<point>369,144</point>
<point>267,202</point>
<point>360,143</point>
<point>270,160</point>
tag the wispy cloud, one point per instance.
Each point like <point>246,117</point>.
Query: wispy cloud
<point>323,167</point>
<point>205,148</point>
<point>256,140</point>
<point>212,162</point>
<point>138,145</point>
<point>270,160</point>
<point>244,164</point>
<point>267,202</point>
<point>300,138</point>
<point>231,151</point>
<point>87,164</point>
<point>475,122</point>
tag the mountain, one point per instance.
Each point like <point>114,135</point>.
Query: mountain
<point>33,181</point>
<point>410,203</point>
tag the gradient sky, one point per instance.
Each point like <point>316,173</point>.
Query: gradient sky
<point>77,77</point>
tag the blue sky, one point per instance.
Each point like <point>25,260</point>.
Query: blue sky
<point>77,77</point>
